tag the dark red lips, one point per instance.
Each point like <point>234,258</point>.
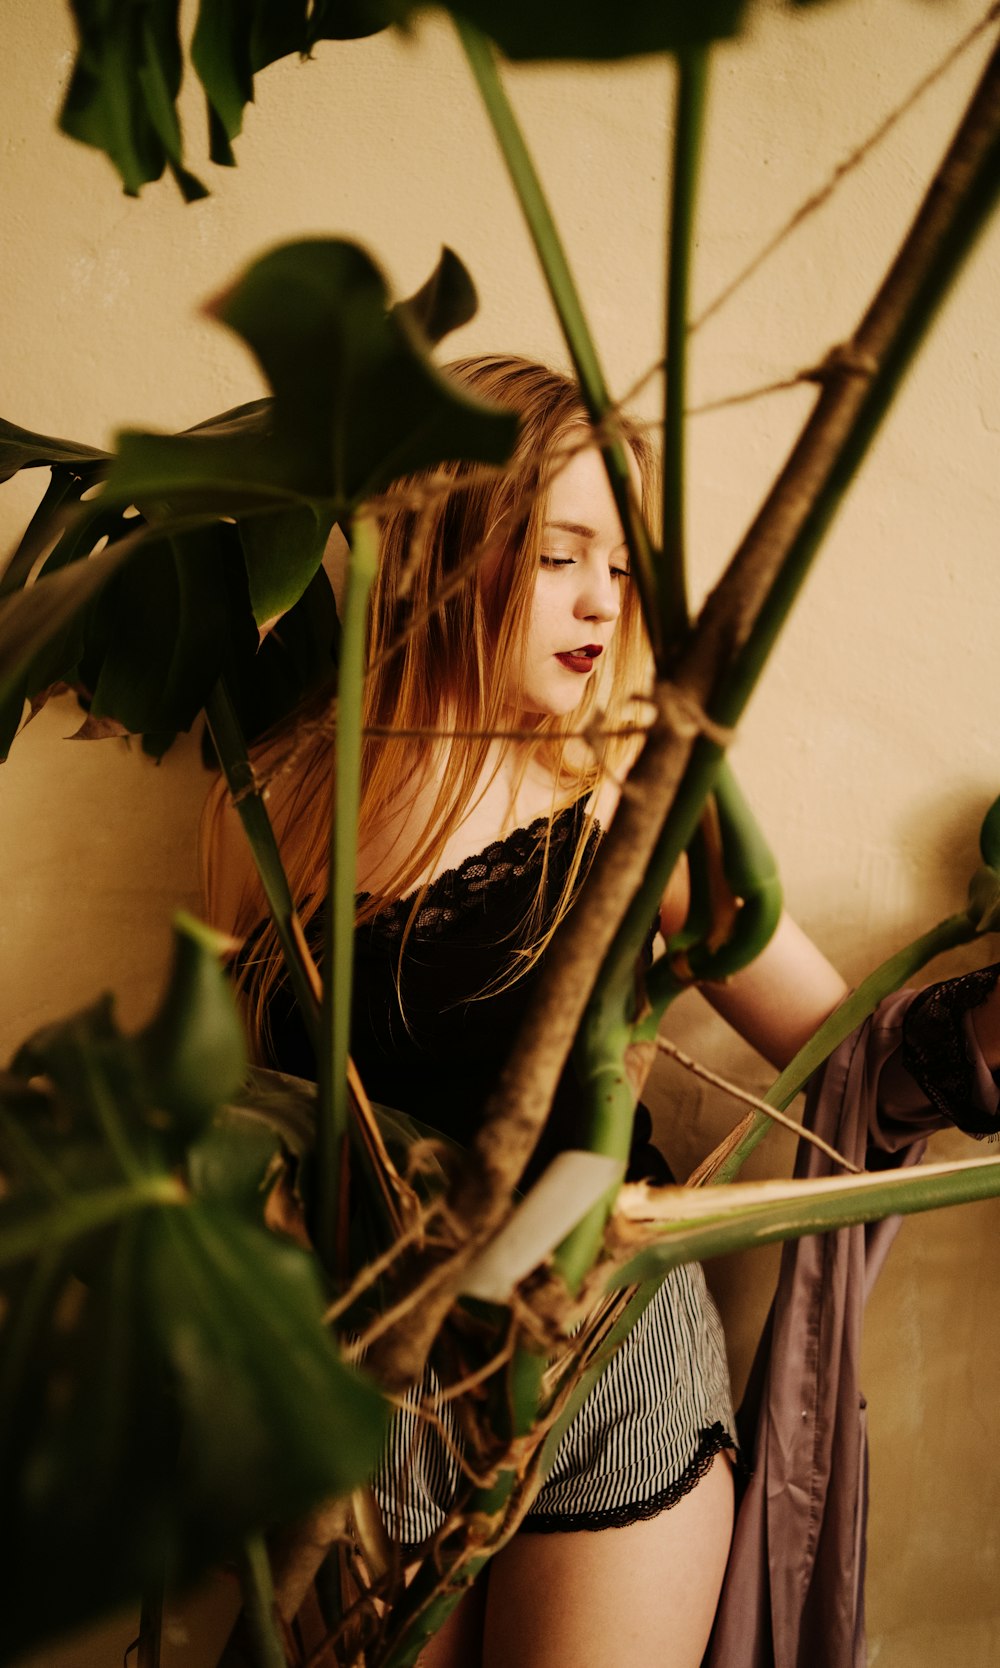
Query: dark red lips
<point>581,660</point>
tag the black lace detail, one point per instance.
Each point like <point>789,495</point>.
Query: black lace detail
<point>456,891</point>
<point>711,1442</point>
<point>935,1052</point>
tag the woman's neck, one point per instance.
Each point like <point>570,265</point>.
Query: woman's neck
<point>511,791</point>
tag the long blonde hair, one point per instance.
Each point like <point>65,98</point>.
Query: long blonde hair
<point>471,535</point>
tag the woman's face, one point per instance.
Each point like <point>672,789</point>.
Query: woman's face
<point>579,589</point>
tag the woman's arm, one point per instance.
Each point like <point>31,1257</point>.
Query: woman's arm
<point>779,1000</point>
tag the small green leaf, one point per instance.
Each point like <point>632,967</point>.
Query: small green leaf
<point>193,1050</point>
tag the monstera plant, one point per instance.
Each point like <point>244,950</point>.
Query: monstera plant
<point>172,1382</point>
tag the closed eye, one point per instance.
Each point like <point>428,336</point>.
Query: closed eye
<point>557,561</point>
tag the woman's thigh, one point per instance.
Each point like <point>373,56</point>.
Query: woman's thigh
<point>644,1593</point>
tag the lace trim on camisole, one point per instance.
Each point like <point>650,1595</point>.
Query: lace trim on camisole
<point>456,891</point>
<point>935,1050</point>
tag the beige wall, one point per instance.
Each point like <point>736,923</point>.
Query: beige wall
<point>871,748</point>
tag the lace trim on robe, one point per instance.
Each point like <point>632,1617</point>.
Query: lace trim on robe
<point>936,1053</point>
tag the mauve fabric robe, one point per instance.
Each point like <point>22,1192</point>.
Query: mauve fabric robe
<point>794,1590</point>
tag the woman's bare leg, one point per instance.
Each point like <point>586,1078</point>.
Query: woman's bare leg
<point>643,1594</point>
<point>459,1644</point>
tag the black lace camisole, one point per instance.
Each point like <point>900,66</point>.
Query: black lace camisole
<point>423,1037</point>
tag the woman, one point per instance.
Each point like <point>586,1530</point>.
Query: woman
<point>473,839</point>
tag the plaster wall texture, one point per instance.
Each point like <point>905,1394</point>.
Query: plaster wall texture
<point>870,750</point>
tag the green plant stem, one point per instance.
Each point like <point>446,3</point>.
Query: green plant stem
<point>566,300</point>
<point>335,1016</point>
<point>231,748</point>
<point>692,71</point>
<point>890,975</point>
<point>259,1612</point>
<point>605,1127</point>
<point>151,1624</point>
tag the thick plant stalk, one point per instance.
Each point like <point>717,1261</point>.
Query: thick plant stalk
<point>566,300</point>
<point>692,71</point>
<point>717,672</point>
<point>333,1104</point>
<point>231,748</point>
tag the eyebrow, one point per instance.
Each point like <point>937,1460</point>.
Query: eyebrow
<point>577,528</point>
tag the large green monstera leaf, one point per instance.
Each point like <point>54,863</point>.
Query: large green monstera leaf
<point>214,533</point>
<point>166,1380</point>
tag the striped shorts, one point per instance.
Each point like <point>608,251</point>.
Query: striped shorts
<point>646,1434</point>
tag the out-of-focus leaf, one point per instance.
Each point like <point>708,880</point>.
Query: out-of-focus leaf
<point>444,303</point>
<point>167,1384</point>
<point>30,619</point>
<point>587,29</point>
<point>220,52</point>
<point>295,659</point>
<point>186,1395</point>
<point>343,20</point>
<point>170,621</point>
<point>232,41</point>
<point>233,1160</point>
<point>123,88</point>
<point>277,550</point>
<point>21,449</point>
<point>64,489</point>
<point>193,1051</point>
<point>357,398</point>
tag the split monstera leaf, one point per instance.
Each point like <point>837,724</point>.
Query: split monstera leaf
<point>144,612</point>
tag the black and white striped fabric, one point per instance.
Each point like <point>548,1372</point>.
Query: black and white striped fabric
<point>644,1437</point>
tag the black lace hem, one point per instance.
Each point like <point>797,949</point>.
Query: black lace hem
<point>936,1055</point>
<point>711,1442</point>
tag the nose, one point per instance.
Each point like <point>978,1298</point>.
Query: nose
<point>599,596</point>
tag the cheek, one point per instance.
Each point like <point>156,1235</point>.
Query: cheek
<point>542,618</point>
